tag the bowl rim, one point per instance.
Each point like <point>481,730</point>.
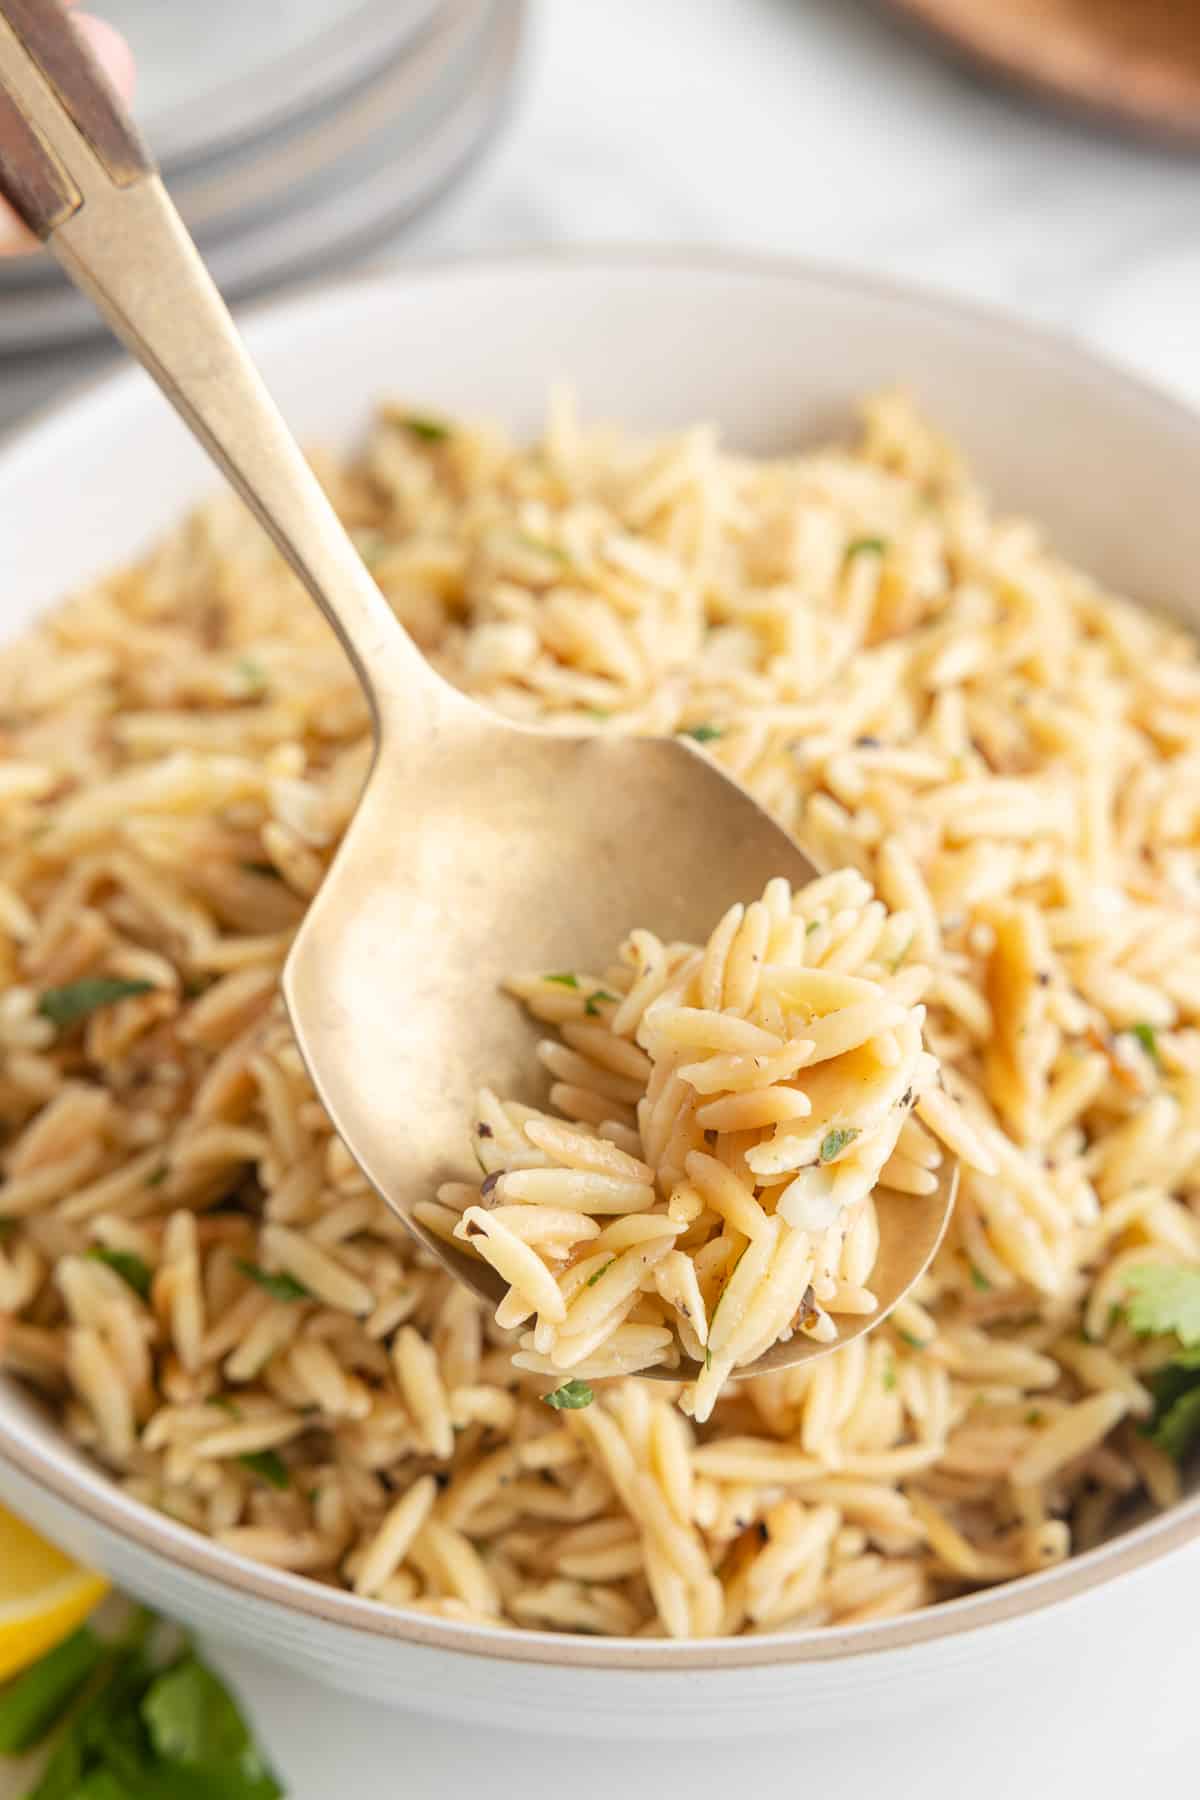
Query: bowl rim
<point>90,1492</point>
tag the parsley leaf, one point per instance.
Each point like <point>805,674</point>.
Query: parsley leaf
<point>835,1141</point>
<point>565,980</point>
<point>127,1265</point>
<point>541,547</point>
<point>268,1465</point>
<point>602,1270</point>
<point>979,1279</point>
<point>1164,1297</point>
<point>194,1725</point>
<point>33,1704</point>
<point>866,546</point>
<point>278,1284</point>
<point>1147,1037</point>
<point>136,1729</point>
<point>430,431</point>
<point>65,1006</point>
<point>707,1357</point>
<point>1161,1300</point>
<point>702,734</point>
<point>591,1005</point>
<point>910,1338</point>
<point>252,674</point>
<point>889,1376</point>
<point>570,1396</point>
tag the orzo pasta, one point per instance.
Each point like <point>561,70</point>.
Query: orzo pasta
<point>730,1112</point>
<point>195,1275</point>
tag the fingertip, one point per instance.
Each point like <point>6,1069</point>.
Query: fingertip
<point>110,50</point>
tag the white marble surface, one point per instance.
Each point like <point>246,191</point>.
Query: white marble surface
<point>820,127</point>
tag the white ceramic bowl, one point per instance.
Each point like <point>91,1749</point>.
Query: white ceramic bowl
<point>777,354</point>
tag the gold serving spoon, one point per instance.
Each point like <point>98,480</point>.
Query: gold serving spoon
<point>479,846</point>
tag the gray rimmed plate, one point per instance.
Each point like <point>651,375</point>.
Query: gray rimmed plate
<point>350,177</point>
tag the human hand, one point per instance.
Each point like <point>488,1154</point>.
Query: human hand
<point>117,62</point>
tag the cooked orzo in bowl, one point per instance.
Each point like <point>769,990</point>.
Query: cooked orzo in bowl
<point>196,1278</point>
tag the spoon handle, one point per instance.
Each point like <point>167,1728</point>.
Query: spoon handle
<point>76,170</point>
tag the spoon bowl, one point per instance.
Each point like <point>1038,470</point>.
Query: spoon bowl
<point>480,847</point>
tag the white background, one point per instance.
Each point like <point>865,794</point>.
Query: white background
<point>819,127</point>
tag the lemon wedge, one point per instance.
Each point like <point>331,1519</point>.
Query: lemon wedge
<point>43,1595</point>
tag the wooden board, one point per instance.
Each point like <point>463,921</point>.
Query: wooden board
<point>1136,62</point>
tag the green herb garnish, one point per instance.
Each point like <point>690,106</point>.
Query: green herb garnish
<point>913,1342</point>
<point>813,925</point>
<point>33,1704</point>
<point>278,1283</point>
<point>1034,1416</point>
<point>570,1396</point>
<point>701,734</point>
<point>835,1141</point>
<point>707,1357</point>
<point>866,546</point>
<point>566,980</point>
<point>889,1376</point>
<point>127,1265</point>
<point>430,431</point>
<point>65,1006</point>
<point>194,1726</point>
<point>591,1005</point>
<point>252,673</point>
<point>268,1465</point>
<point>597,712</point>
<point>134,1730</point>
<point>157,1176</point>
<point>1147,1037</point>
<point>541,547</point>
<point>593,1279</point>
<point>979,1279</point>
<point>1164,1300</point>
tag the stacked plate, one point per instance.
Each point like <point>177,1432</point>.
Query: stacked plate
<point>293,135</point>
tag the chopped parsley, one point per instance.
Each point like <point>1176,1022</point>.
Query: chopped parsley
<point>252,673</point>
<point>125,1263</point>
<point>565,980</point>
<point>1147,1037</point>
<point>889,1375</point>
<point>1164,1297</point>
<point>157,1176</point>
<point>707,1357</point>
<point>701,734</point>
<point>65,1006</point>
<point>591,1005</point>
<point>541,547</point>
<point>1164,1300</point>
<point>268,1465</point>
<point>813,925</point>
<point>1034,1416</point>
<point>835,1141</point>
<point>600,713</point>
<point>866,546</point>
<point>979,1279</point>
<point>603,1270</point>
<point>430,431</point>
<point>570,1396</point>
<point>278,1284</point>
<point>910,1338</point>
